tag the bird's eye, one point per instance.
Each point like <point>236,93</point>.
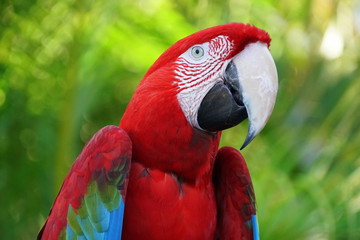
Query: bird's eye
<point>197,52</point>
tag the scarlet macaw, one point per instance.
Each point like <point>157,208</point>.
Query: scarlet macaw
<point>163,160</point>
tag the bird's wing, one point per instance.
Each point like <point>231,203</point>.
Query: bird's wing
<point>90,204</point>
<point>235,197</point>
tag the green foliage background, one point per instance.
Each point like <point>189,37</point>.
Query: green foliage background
<point>68,68</point>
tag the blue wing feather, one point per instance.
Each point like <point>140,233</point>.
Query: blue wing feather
<point>98,222</point>
<point>255,227</point>
<point>116,220</point>
<point>111,232</point>
<point>70,233</point>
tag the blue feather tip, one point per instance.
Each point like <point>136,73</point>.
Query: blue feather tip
<point>255,227</point>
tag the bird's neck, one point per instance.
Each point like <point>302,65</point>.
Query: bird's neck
<point>163,139</point>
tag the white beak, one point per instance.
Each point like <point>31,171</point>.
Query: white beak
<point>258,84</point>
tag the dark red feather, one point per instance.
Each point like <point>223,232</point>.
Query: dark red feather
<point>235,196</point>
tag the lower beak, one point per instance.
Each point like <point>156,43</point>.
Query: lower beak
<point>248,91</point>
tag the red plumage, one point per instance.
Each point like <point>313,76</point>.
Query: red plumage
<point>235,196</point>
<point>171,194</point>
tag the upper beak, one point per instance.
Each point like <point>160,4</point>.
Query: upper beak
<point>259,83</point>
<point>249,90</point>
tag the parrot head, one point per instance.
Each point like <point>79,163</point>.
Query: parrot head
<point>221,76</point>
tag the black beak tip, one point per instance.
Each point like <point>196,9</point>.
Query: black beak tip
<point>251,135</point>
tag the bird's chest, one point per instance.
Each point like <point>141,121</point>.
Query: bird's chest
<point>161,206</point>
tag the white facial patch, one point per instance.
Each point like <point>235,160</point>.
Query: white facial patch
<point>197,73</point>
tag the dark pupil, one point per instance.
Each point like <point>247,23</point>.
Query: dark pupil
<point>197,51</point>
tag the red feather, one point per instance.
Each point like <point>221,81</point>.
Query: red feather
<point>235,196</point>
